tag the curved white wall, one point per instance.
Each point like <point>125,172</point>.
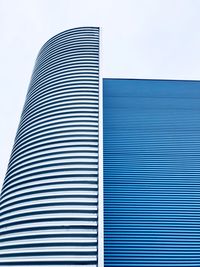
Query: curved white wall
<point>50,195</point>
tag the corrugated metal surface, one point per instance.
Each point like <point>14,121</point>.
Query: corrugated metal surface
<point>49,198</point>
<point>152,173</point>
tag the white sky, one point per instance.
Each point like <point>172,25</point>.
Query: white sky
<point>141,39</point>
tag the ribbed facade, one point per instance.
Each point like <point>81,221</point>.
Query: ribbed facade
<point>49,201</point>
<point>151,173</point>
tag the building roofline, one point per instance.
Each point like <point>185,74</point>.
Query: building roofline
<point>152,79</point>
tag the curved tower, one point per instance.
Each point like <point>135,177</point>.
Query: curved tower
<point>49,200</point>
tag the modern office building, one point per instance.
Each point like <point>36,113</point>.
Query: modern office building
<point>151,173</point>
<point>50,194</point>
<point>52,198</point>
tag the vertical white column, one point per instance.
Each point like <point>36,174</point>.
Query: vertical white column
<point>100,178</point>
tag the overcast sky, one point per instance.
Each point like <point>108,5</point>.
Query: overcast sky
<point>141,39</point>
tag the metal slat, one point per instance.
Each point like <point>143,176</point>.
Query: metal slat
<point>49,200</point>
<point>151,173</point>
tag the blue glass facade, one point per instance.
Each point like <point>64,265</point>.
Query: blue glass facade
<point>151,173</point>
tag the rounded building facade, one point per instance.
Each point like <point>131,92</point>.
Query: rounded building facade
<point>49,201</point>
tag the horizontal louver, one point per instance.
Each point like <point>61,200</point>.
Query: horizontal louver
<point>50,194</point>
<point>151,173</point>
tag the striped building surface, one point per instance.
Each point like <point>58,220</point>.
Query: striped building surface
<point>151,173</point>
<point>49,200</point>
